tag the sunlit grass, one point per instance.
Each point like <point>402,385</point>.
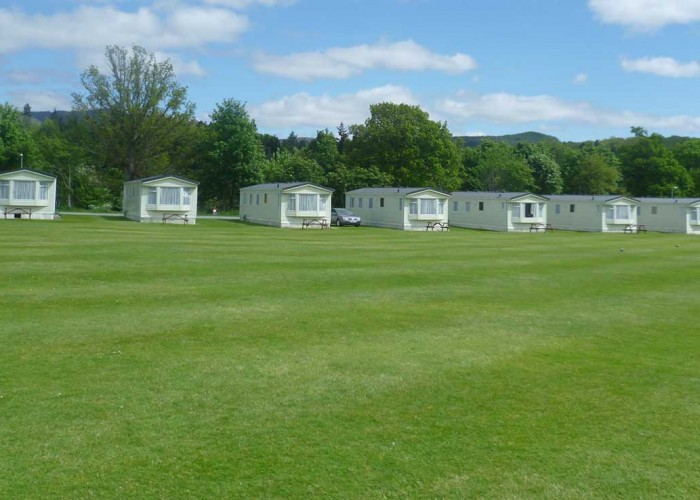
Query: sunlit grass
<point>226,359</point>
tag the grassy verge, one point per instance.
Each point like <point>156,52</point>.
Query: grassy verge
<point>226,359</point>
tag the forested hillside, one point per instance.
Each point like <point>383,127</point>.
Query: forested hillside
<point>121,129</point>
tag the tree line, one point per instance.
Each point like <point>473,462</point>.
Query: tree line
<point>134,120</point>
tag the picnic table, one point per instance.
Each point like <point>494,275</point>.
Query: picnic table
<point>323,223</point>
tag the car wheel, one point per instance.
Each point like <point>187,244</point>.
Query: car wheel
<point>338,223</point>
<point>357,225</point>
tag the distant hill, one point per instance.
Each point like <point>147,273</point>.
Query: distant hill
<point>45,115</point>
<point>512,139</point>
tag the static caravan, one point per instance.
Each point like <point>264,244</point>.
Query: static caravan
<point>163,198</point>
<point>290,204</point>
<point>606,213</point>
<point>670,215</point>
<point>412,209</point>
<point>26,194</point>
<point>513,212</point>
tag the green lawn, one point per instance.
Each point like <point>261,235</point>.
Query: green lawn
<point>231,360</point>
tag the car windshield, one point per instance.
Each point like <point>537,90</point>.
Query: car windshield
<point>342,211</point>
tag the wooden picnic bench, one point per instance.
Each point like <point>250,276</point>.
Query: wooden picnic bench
<point>444,226</point>
<point>547,228</point>
<point>17,212</point>
<point>635,228</point>
<point>323,223</point>
<point>183,218</point>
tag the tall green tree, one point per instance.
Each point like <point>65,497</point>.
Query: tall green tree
<point>496,166</point>
<point>292,166</point>
<point>405,144</point>
<point>16,144</point>
<point>236,156</point>
<point>595,174</point>
<point>135,112</point>
<point>324,150</point>
<point>649,168</point>
<point>546,174</point>
<point>687,153</point>
<point>271,144</point>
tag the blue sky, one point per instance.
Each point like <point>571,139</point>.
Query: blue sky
<point>575,69</point>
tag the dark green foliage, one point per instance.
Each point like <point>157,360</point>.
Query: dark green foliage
<point>235,155</point>
<point>496,166</point>
<point>402,142</point>
<point>292,166</point>
<point>649,168</point>
<point>16,140</point>
<point>271,144</point>
<point>594,175</point>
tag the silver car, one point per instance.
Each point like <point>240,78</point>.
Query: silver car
<point>344,217</point>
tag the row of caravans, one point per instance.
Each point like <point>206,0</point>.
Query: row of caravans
<point>168,198</point>
<point>293,204</point>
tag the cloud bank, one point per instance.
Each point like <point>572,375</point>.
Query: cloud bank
<point>345,62</point>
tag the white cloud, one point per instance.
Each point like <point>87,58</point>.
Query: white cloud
<point>646,15</point>
<point>581,78</point>
<point>90,28</point>
<point>516,109</point>
<point>325,111</point>
<point>662,66</point>
<point>344,62</point>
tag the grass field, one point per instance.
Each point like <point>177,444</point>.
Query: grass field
<point>230,360</point>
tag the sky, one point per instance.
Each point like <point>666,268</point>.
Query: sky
<point>575,69</point>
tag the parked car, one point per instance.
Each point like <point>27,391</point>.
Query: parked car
<point>344,217</point>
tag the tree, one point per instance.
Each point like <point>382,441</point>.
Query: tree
<point>135,112</point>
<point>271,144</point>
<point>235,157</point>
<point>687,153</point>
<point>497,167</point>
<point>639,131</point>
<point>324,150</point>
<point>401,141</point>
<point>545,170</point>
<point>649,168</point>
<point>343,136</point>
<point>291,166</point>
<point>16,144</point>
<point>595,175</point>
<point>291,142</point>
<point>546,174</point>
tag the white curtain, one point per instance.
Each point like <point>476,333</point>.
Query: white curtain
<point>24,190</point>
<point>5,190</point>
<point>169,196</point>
<point>322,200</point>
<point>43,190</point>
<point>152,196</point>
<point>623,211</point>
<point>516,210</point>
<point>291,202</point>
<point>187,196</point>
<point>428,207</point>
<point>308,202</point>
<point>413,207</point>
<point>609,213</point>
